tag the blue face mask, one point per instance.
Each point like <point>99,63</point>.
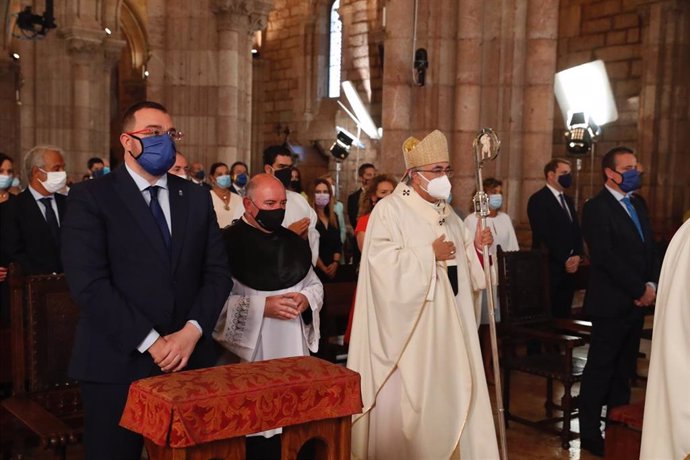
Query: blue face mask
<point>98,173</point>
<point>223,181</point>
<point>106,170</point>
<point>495,201</point>
<point>631,180</point>
<point>157,154</point>
<point>15,182</point>
<point>5,182</point>
<point>241,179</point>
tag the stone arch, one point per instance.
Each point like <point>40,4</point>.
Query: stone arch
<point>133,27</point>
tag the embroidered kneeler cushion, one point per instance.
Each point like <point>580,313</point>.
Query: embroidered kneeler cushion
<point>194,407</point>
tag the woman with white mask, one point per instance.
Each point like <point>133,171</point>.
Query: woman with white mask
<point>228,205</point>
<point>6,177</point>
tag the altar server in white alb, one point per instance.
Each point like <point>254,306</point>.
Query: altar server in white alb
<point>666,423</point>
<point>414,337</point>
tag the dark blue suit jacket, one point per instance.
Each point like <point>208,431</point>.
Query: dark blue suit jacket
<point>553,229</point>
<point>621,262</point>
<point>26,237</point>
<point>126,283</point>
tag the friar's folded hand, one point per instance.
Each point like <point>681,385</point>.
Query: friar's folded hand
<point>281,306</point>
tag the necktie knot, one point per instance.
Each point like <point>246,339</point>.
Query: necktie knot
<point>46,201</point>
<point>153,191</point>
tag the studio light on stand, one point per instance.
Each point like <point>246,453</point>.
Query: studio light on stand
<point>586,101</point>
<point>340,151</point>
<point>362,120</point>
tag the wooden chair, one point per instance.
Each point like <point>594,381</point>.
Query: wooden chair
<point>526,318</point>
<point>44,401</point>
<point>337,301</point>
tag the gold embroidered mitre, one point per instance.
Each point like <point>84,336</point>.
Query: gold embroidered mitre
<point>432,149</point>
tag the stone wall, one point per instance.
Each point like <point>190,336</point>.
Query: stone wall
<point>9,115</point>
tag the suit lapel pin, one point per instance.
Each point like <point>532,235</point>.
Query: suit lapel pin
<point>179,192</point>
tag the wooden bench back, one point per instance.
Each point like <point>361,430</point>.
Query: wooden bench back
<point>44,319</point>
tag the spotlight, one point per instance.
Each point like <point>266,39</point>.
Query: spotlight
<point>15,56</point>
<point>341,147</point>
<point>33,25</point>
<point>582,132</point>
<point>108,31</point>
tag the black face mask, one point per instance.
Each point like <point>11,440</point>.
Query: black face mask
<point>199,175</point>
<point>296,186</point>
<point>283,175</point>
<point>270,219</point>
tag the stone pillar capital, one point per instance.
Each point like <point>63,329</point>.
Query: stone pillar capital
<point>241,15</point>
<point>83,43</point>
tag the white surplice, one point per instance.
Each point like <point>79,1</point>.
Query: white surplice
<point>666,423</point>
<point>298,208</point>
<point>243,329</point>
<point>414,343</point>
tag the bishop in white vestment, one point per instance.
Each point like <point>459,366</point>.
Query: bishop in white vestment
<point>666,423</point>
<point>414,337</point>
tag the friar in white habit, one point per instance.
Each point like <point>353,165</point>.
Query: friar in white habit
<point>666,423</point>
<point>414,337</point>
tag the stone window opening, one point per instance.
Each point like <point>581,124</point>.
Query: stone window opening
<point>335,50</point>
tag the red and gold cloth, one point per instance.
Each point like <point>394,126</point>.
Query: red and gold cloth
<point>194,407</point>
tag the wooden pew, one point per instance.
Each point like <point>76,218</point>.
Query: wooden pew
<point>44,401</point>
<point>337,301</point>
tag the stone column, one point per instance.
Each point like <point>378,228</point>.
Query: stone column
<point>84,48</point>
<point>236,22</point>
<point>157,51</point>
<point>9,115</point>
<point>663,134</point>
<point>535,149</point>
<point>397,84</point>
<point>112,52</point>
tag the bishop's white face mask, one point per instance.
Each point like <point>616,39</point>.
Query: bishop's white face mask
<point>56,181</point>
<point>438,187</point>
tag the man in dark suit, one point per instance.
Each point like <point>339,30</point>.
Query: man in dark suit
<point>31,223</point>
<point>366,173</point>
<point>146,264</point>
<point>623,277</point>
<point>553,219</point>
